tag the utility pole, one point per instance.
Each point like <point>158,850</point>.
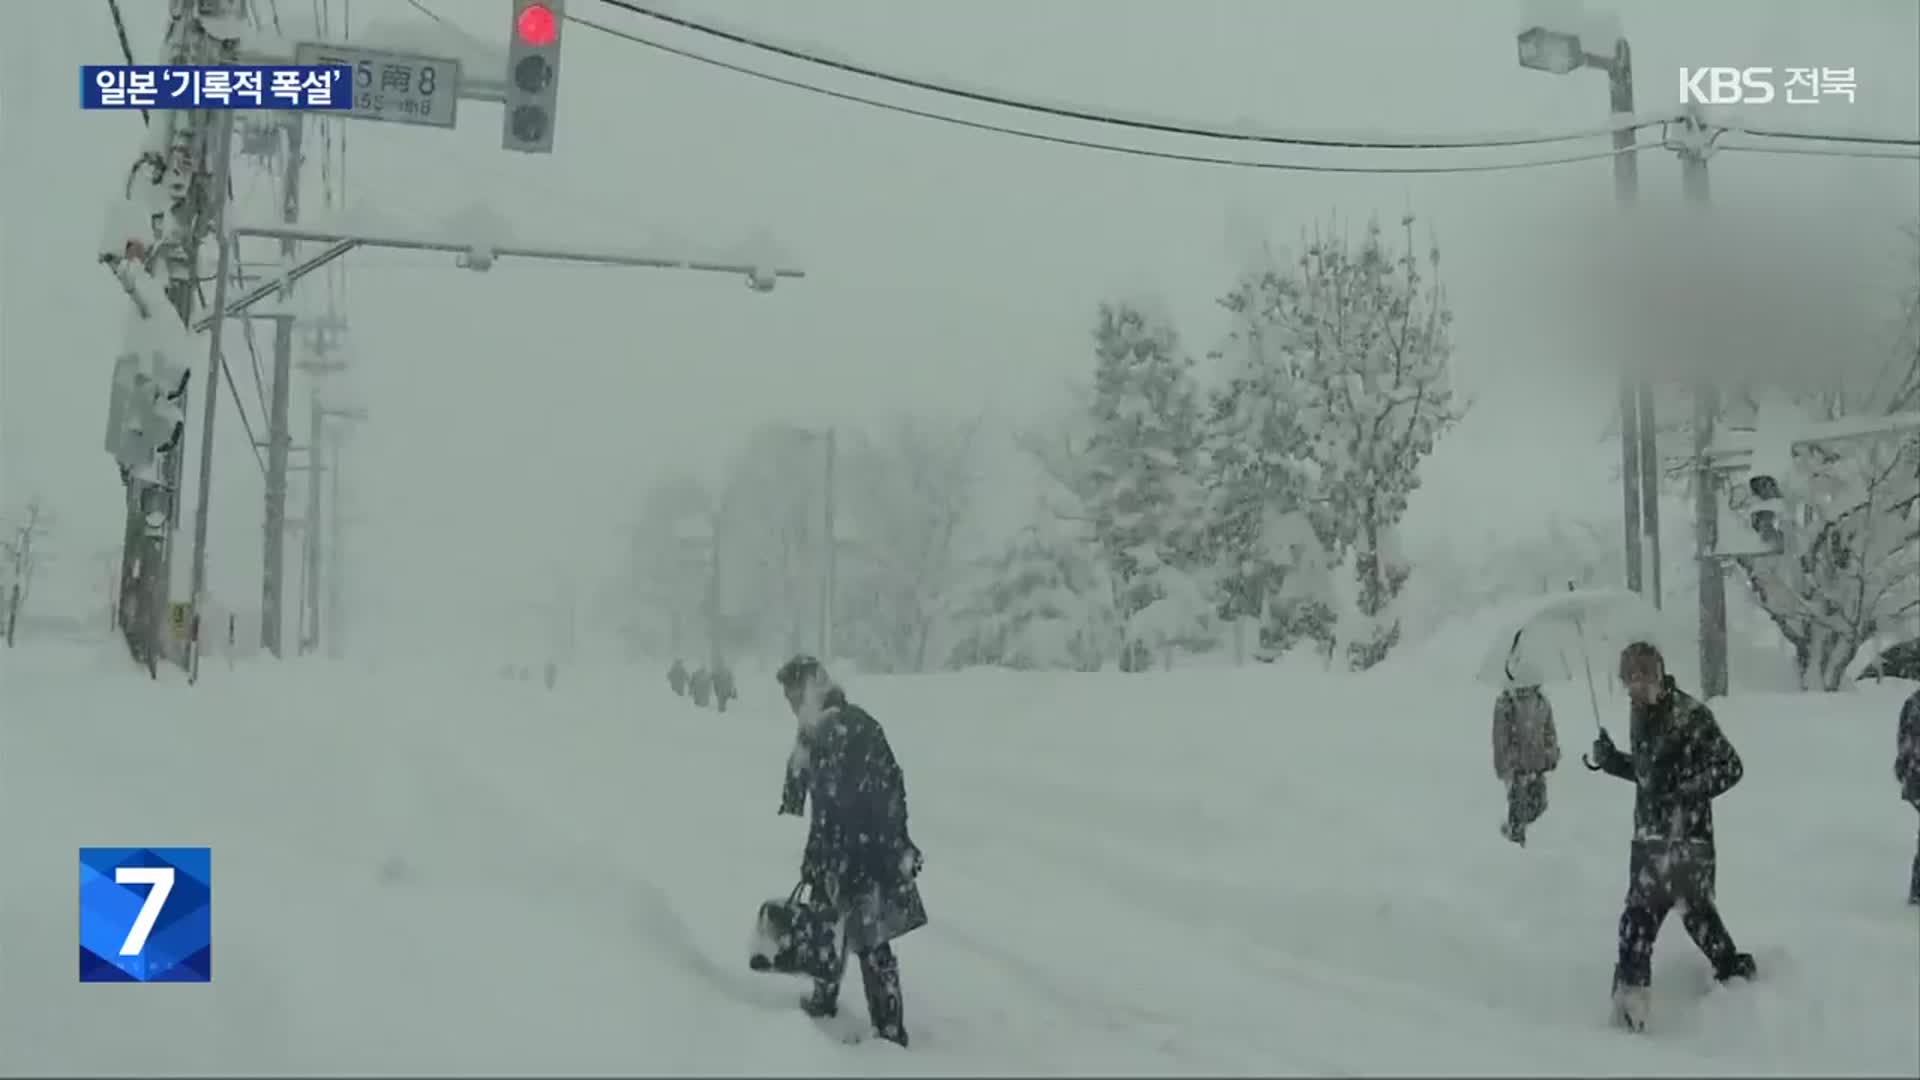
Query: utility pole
<point>154,262</point>
<point>315,545</point>
<point>310,577</point>
<point>335,549</point>
<point>1559,51</point>
<point>273,572</point>
<point>1639,507</point>
<point>216,365</point>
<point>1706,410</point>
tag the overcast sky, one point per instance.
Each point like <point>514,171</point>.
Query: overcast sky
<point>517,415</point>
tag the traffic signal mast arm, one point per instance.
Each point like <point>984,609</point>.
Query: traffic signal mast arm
<point>1734,449</point>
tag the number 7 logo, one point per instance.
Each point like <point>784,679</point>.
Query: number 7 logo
<point>161,880</point>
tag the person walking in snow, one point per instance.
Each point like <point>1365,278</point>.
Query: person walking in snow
<point>1906,769</point>
<point>1679,761</point>
<point>723,688</point>
<point>698,686</point>
<point>677,678</point>
<point>1525,749</point>
<point>859,861</point>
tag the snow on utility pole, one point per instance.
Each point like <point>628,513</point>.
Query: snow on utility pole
<point>152,252</point>
<point>1692,144</point>
<point>273,568</point>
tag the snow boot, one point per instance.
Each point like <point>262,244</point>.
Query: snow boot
<point>880,978</point>
<point>1630,1007</point>
<point>1508,832</point>
<point>1739,967</point>
<point>821,1005</point>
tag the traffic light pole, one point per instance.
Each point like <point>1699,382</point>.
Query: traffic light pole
<point>760,277</point>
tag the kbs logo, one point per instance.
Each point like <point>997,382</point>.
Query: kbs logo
<point>146,914</point>
<point>1758,86</point>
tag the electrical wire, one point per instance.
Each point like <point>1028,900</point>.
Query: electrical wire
<point>1073,112</point>
<point>126,49</point>
<point>233,391</point>
<point>1825,136</point>
<point>1089,144</point>
<point>1807,151</point>
<point>246,332</point>
<point>427,11</point>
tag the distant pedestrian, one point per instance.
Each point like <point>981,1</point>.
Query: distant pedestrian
<point>1525,749</point>
<point>677,678</point>
<point>723,688</point>
<point>699,686</point>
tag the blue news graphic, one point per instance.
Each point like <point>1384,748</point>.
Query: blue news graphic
<point>233,86</point>
<point>146,914</point>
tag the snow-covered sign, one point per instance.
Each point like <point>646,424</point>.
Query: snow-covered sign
<point>398,87</point>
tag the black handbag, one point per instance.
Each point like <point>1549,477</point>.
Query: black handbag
<point>796,937</point>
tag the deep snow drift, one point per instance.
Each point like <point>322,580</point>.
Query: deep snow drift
<point>1217,871</point>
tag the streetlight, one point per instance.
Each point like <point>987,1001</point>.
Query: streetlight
<point>1559,51</point>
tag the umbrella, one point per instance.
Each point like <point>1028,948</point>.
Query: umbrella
<point>1564,633</point>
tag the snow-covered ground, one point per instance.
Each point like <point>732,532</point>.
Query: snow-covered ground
<point>1222,871</point>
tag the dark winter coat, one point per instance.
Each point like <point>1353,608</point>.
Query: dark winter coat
<point>697,687</point>
<point>1524,739</point>
<point>1679,763</point>
<point>677,677</point>
<point>1906,753</point>
<point>723,688</point>
<point>858,849</point>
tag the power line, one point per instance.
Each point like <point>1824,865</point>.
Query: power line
<point>1808,151</point>
<point>233,391</point>
<point>1826,136</point>
<point>425,10</point>
<point>1089,144</point>
<point>126,49</point>
<point>1489,141</point>
<point>1071,112</point>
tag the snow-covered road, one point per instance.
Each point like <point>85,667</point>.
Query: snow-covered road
<point>1220,872</point>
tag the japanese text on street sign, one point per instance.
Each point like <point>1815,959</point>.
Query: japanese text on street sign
<point>237,86</point>
<point>402,88</point>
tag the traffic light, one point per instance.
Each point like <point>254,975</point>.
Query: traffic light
<point>1767,512</point>
<point>533,76</point>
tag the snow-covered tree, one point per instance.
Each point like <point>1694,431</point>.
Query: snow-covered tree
<point>1848,575</point>
<point>661,588</point>
<point>1360,331</point>
<point>1041,603</point>
<point>906,495</point>
<point>770,528</point>
<point>1260,481</point>
<point>1141,466</point>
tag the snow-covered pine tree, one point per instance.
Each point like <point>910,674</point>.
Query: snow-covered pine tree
<point>1365,335</point>
<point>1041,603</point>
<point>1258,534</point>
<point>1142,467</point>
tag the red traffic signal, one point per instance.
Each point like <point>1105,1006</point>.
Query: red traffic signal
<point>537,25</point>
